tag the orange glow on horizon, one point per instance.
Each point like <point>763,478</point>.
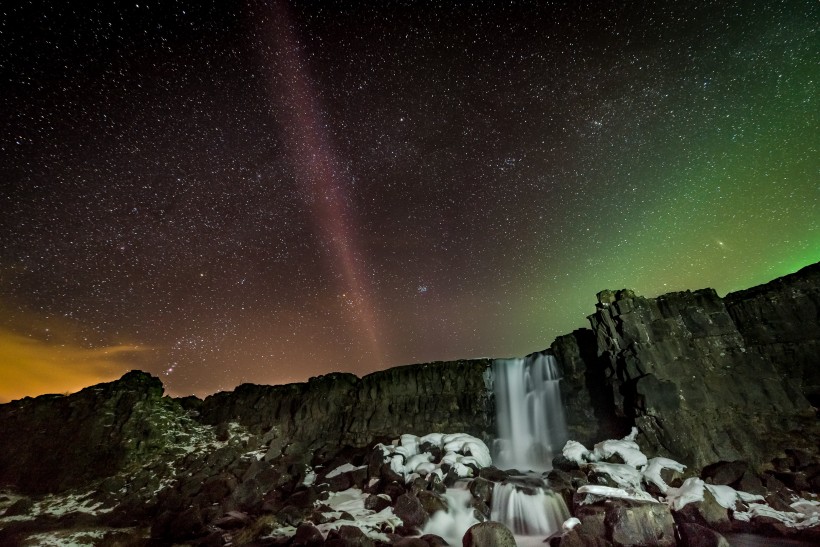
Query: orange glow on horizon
<point>31,367</point>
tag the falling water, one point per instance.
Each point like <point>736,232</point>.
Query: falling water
<point>530,415</point>
<point>528,511</point>
<point>459,516</point>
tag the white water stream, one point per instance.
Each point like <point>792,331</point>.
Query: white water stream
<point>530,414</point>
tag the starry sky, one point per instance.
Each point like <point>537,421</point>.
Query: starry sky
<point>227,192</point>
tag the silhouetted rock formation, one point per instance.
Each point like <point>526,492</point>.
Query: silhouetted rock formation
<point>55,442</point>
<point>705,380</point>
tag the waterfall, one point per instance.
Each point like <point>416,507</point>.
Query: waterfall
<point>528,511</point>
<point>530,414</point>
<point>459,516</point>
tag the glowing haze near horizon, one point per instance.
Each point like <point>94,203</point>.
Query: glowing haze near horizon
<point>260,192</point>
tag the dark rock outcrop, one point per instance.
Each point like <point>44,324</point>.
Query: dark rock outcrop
<point>53,442</point>
<point>780,322</point>
<point>680,369</point>
<point>588,398</point>
<point>340,409</point>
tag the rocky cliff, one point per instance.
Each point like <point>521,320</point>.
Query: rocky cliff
<point>340,409</point>
<point>704,379</point>
<point>708,379</point>
<point>779,321</point>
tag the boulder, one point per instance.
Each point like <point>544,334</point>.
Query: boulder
<point>694,535</point>
<point>640,524</point>
<point>726,473</point>
<point>308,535</point>
<point>488,534</point>
<point>574,538</point>
<point>411,511</point>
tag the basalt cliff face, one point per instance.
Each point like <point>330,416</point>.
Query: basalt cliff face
<point>704,379</point>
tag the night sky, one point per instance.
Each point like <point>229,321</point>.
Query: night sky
<point>262,192</point>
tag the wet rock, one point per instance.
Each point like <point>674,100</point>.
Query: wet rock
<point>493,474</point>
<point>695,535</point>
<point>635,523</point>
<point>394,490</point>
<point>482,489</point>
<point>411,542</point>
<point>430,502</point>
<point>573,538</point>
<point>340,482</point>
<point>348,536</point>
<point>308,535</point>
<point>488,534</point>
<point>433,540</point>
<point>561,463</point>
<point>411,511</point>
<point>592,519</point>
<point>376,502</point>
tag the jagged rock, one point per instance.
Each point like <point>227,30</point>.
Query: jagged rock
<point>411,511</point>
<point>751,483</point>
<point>724,472</point>
<point>585,391</point>
<point>339,409</point>
<point>54,442</point>
<point>348,536</point>
<point>678,362</point>
<point>488,534</point>
<point>308,535</point>
<point>779,322</point>
<point>375,502</point>
<point>694,535</point>
<point>640,524</point>
<point>20,507</point>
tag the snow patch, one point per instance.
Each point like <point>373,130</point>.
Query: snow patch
<point>344,468</point>
<point>461,451</point>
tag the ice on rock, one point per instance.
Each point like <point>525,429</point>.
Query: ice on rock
<point>690,491</point>
<point>806,515</point>
<point>460,452</point>
<point>597,492</point>
<point>728,497</point>
<point>576,452</point>
<point>570,523</point>
<point>624,475</point>
<point>626,448</point>
<point>344,468</point>
<point>652,472</point>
